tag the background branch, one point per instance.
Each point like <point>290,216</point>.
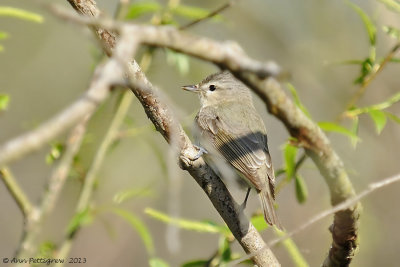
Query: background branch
<point>16,191</point>
<point>28,246</point>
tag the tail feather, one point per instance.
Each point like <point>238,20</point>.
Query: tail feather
<point>267,203</point>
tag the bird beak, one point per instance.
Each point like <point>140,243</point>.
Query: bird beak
<point>191,88</point>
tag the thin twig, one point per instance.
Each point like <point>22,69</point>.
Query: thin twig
<point>16,191</point>
<point>340,207</point>
<point>27,247</point>
<point>209,15</point>
<point>87,190</point>
<point>35,139</point>
<point>361,90</point>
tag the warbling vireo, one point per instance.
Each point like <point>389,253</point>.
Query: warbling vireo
<point>230,131</point>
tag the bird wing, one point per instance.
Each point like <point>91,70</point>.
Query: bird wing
<point>243,143</point>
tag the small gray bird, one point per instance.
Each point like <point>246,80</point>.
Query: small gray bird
<point>230,131</point>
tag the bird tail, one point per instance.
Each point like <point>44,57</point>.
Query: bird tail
<point>267,203</point>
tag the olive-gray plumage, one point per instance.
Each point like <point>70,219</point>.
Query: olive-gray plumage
<point>229,128</point>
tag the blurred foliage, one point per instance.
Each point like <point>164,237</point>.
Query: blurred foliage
<point>202,227</point>
<point>169,14</point>
<point>139,226</point>
<point>157,262</point>
<point>20,14</point>
<point>301,189</point>
<point>55,152</point>
<point>296,99</point>
<point>6,11</point>
<point>4,101</point>
<point>392,5</point>
<point>292,249</point>
<point>131,193</point>
<point>80,219</point>
<point>377,113</point>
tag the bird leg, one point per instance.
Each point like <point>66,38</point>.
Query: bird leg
<point>243,206</point>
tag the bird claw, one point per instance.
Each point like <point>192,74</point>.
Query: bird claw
<point>189,157</point>
<point>200,152</point>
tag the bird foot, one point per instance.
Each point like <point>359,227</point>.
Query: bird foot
<point>190,157</point>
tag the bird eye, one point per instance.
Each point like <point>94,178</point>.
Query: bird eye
<point>212,87</point>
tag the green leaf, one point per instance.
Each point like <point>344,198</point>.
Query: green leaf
<point>55,153</point>
<point>202,227</point>
<point>131,193</point>
<point>259,222</point>
<point>333,127</point>
<point>139,227</point>
<point>301,189</point>
<point>379,119</point>
<point>369,25</point>
<point>292,249</point>
<point>4,101</point>
<point>138,9</point>
<point>380,106</point>
<point>46,249</point>
<point>354,130</point>
<point>366,67</point>
<point>195,263</point>
<point>3,35</point>
<point>80,219</point>
<point>157,262</point>
<point>192,12</point>
<point>225,251</point>
<point>179,60</point>
<point>392,32</point>
<point>393,117</point>
<point>290,153</point>
<point>392,5</point>
<point>20,14</point>
<point>296,99</point>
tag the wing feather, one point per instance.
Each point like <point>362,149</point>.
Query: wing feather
<point>243,146</point>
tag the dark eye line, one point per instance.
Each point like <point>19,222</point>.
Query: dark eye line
<point>212,87</point>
